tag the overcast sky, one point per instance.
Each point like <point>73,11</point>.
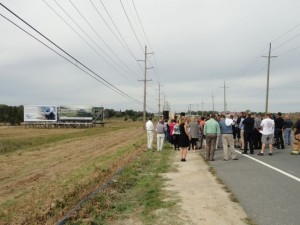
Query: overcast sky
<point>197,44</point>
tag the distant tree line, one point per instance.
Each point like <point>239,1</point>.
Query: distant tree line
<point>11,114</point>
<point>14,115</point>
<point>127,114</point>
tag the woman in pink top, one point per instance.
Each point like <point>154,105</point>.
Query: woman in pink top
<point>171,128</point>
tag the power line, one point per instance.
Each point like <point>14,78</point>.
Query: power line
<point>155,67</point>
<point>297,35</point>
<point>103,81</point>
<point>276,39</point>
<point>124,45</point>
<point>89,24</point>
<point>131,26</point>
<point>121,36</point>
<point>91,39</point>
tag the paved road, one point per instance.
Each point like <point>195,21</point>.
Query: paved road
<point>270,196</point>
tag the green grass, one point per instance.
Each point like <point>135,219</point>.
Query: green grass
<point>136,194</point>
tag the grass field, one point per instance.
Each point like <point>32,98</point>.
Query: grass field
<point>46,173</point>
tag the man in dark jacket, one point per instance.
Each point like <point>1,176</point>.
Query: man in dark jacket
<point>279,122</point>
<point>248,133</point>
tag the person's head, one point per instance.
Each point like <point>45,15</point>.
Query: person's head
<point>268,115</point>
<point>213,116</point>
<point>150,118</point>
<point>287,116</point>
<point>279,114</point>
<point>222,117</point>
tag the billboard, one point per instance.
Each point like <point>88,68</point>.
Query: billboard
<point>78,113</point>
<point>40,113</point>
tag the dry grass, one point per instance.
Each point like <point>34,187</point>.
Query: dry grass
<point>40,183</point>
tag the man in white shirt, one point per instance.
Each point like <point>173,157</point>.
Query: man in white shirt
<point>267,126</point>
<point>150,130</point>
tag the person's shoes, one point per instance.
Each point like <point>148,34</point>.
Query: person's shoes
<point>182,160</point>
<point>245,153</point>
<point>212,160</point>
<point>270,154</point>
<point>225,159</point>
<point>261,154</point>
<point>235,159</point>
<point>251,153</point>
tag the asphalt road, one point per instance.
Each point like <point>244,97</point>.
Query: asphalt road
<point>267,187</point>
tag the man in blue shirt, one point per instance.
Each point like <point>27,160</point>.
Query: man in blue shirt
<point>227,137</point>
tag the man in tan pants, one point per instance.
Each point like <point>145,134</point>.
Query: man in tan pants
<point>227,137</point>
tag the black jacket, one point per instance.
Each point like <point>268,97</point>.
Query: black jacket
<point>248,124</point>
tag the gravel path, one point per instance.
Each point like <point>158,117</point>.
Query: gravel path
<point>203,200</point>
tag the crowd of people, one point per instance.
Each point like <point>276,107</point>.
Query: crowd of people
<point>244,131</point>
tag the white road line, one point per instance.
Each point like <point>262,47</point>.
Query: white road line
<point>271,167</point>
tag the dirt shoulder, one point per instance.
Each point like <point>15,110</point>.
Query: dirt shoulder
<point>203,199</point>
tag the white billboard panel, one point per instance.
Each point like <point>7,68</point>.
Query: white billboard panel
<point>40,113</point>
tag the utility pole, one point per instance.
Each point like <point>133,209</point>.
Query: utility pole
<point>225,104</point>
<point>268,79</point>
<point>202,107</point>
<point>159,99</point>
<point>145,83</point>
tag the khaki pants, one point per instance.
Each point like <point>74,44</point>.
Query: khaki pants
<point>210,147</point>
<point>227,140</point>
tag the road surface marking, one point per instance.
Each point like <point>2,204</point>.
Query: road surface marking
<point>271,167</point>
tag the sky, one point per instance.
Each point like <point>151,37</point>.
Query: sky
<point>74,52</point>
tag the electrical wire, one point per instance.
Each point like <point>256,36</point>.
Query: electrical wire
<point>121,36</point>
<point>92,40</point>
<point>131,26</point>
<point>90,73</point>
<point>100,38</point>
<point>124,45</point>
<point>147,39</point>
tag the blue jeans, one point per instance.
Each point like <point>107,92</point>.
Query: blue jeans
<point>287,135</point>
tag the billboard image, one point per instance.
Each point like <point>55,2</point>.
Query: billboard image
<point>40,113</point>
<point>86,113</point>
